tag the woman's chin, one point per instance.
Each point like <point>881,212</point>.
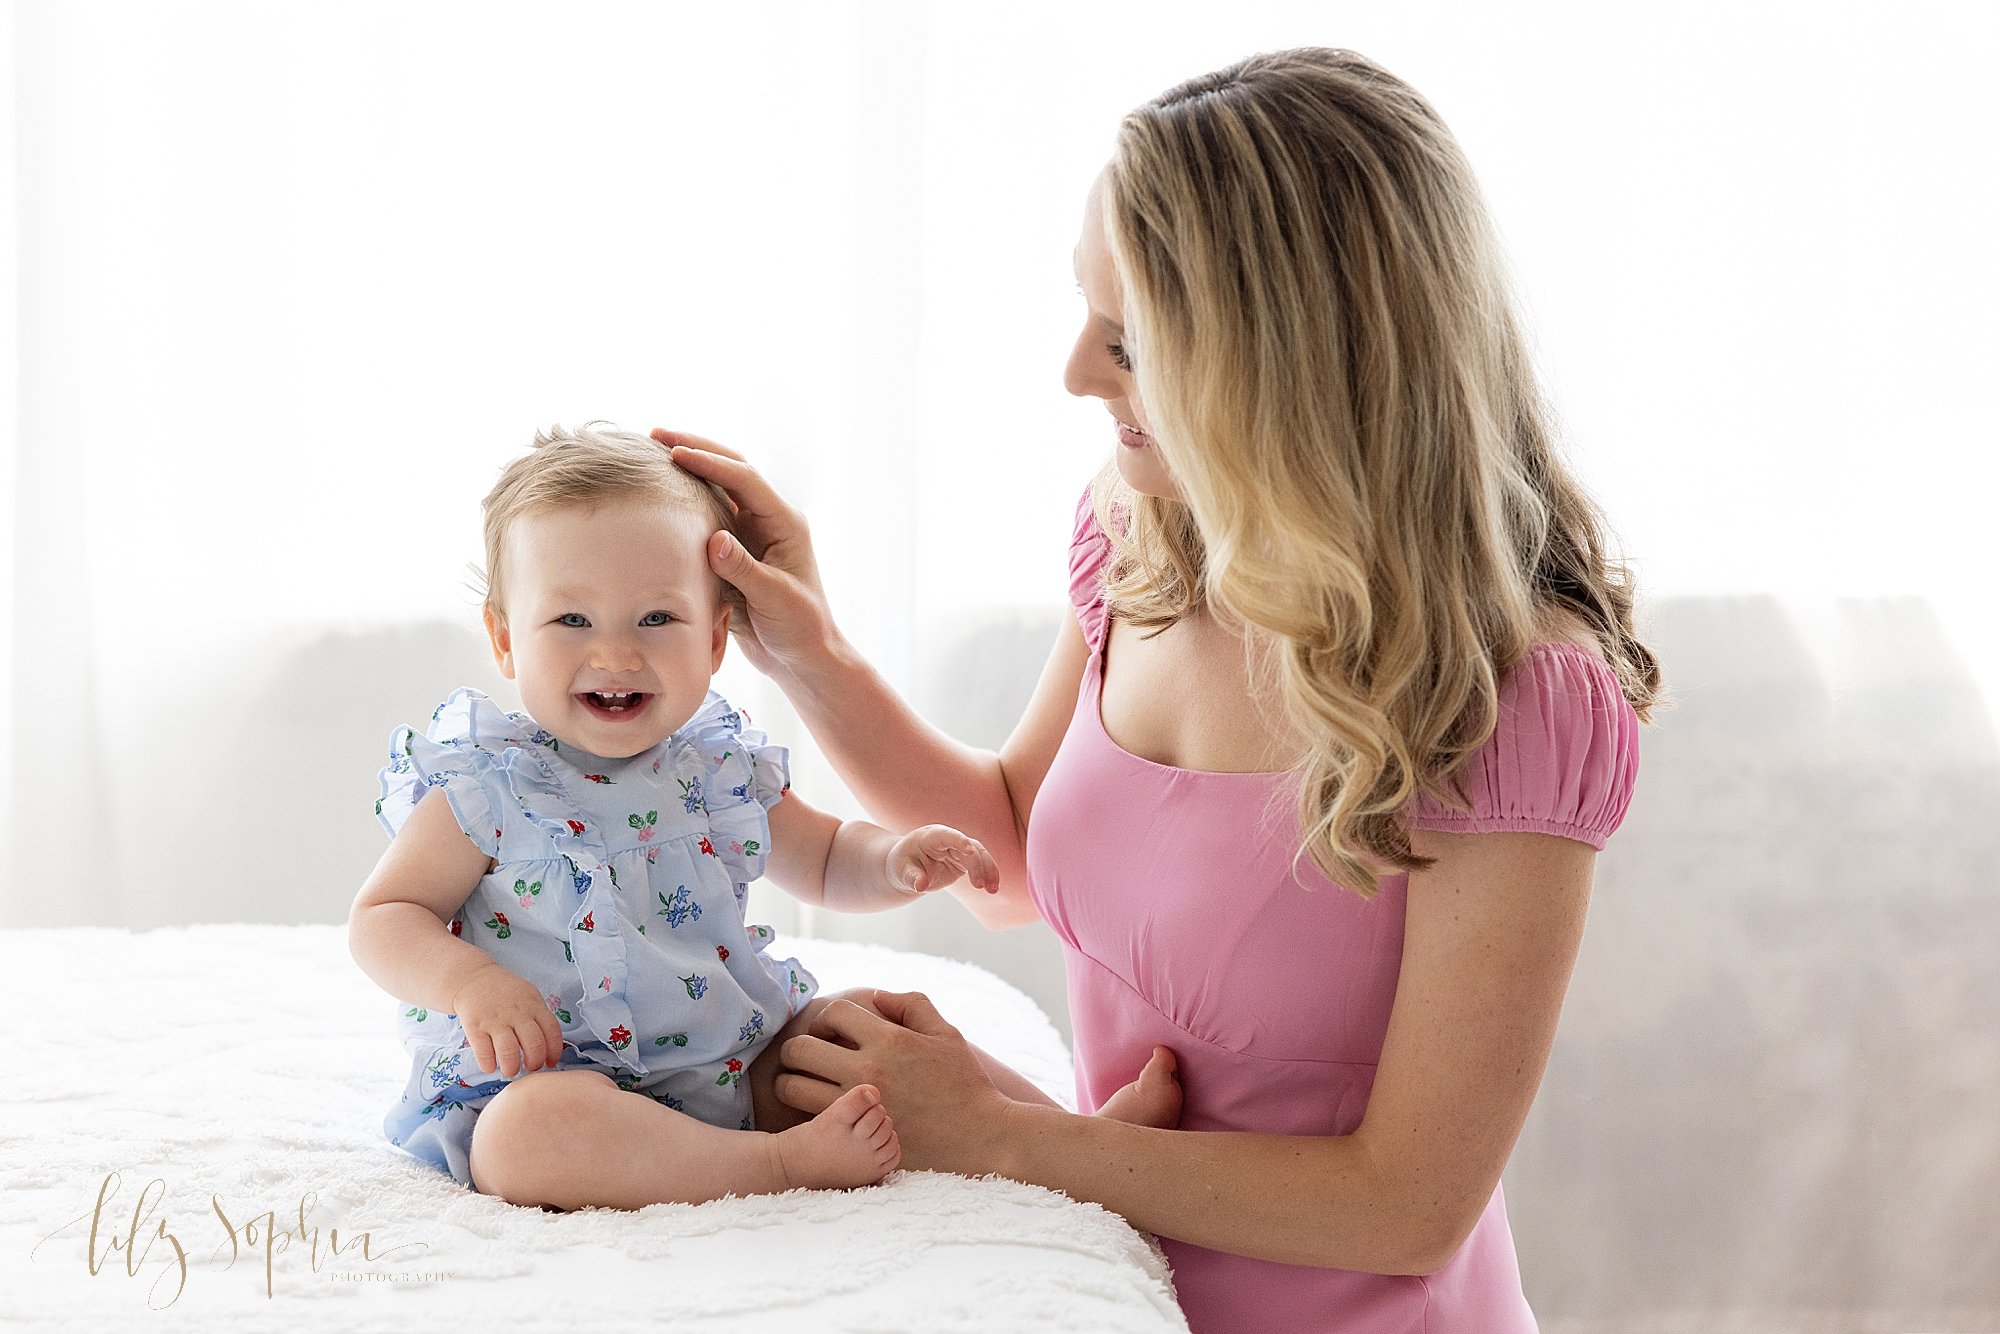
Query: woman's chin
<point>1145,473</point>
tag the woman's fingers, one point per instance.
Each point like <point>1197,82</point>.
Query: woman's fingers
<point>745,485</point>
<point>730,559</point>
<point>806,1093</point>
<point>821,1059</point>
<point>689,438</point>
<point>914,1011</point>
<point>851,1023</point>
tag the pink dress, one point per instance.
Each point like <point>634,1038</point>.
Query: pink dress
<point>1172,892</point>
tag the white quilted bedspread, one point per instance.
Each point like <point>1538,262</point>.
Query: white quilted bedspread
<point>189,1139</point>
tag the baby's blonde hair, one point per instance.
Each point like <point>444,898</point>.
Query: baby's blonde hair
<point>593,465</point>
<point>1326,345</point>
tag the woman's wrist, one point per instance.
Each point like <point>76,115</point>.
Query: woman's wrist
<point>1013,1136</point>
<point>815,681</point>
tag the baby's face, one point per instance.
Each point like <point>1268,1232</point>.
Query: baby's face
<point>613,625</point>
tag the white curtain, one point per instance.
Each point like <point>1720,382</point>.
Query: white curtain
<point>292,281</point>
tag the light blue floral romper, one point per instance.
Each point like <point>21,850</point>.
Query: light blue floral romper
<point>618,891</point>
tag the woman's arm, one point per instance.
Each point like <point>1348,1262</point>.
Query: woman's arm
<point>904,771</point>
<point>1490,937</point>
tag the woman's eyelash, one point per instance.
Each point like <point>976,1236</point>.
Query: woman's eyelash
<point>1117,351</point>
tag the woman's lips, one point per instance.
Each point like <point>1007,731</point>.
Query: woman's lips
<point>1131,436</point>
<point>615,706</point>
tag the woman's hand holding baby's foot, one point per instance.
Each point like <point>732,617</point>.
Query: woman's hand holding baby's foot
<point>852,1143</point>
<point>1153,1099</point>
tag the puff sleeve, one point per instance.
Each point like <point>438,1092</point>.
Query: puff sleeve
<point>1089,554</point>
<point>1563,757</point>
<point>460,753</point>
<point>743,775</point>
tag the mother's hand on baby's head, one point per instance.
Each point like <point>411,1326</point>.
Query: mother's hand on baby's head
<point>788,623</point>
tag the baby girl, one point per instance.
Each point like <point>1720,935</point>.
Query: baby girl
<point>590,1019</point>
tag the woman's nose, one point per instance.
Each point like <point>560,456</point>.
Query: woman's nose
<point>1090,372</point>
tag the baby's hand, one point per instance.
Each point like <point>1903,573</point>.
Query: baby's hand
<point>936,855</point>
<point>511,1028</point>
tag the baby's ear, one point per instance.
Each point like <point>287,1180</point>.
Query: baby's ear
<point>500,641</point>
<point>721,632</point>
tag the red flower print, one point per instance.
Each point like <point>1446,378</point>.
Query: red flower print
<point>621,1036</point>
<point>457,926</point>
<point>496,833</point>
<point>589,922</point>
<point>575,826</point>
<point>706,847</point>
<point>735,1066</point>
<point>597,778</point>
<point>722,952</point>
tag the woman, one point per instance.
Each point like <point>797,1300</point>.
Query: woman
<point>1313,782</point>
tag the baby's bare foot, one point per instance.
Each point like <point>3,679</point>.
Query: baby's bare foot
<point>1153,1099</point>
<point>851,1143</point>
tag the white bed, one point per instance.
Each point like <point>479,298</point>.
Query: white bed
<point>243,1071</point>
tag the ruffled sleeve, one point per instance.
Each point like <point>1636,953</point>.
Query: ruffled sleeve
<point>743,776</point>
<point>459,753</point>
<point>1562,759</point>
<point>1089,555</point>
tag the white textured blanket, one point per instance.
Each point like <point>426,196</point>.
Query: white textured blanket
<point>190,1138</point>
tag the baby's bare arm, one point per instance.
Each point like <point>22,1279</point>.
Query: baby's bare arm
<point>396,929</point>
<point>855,866</point>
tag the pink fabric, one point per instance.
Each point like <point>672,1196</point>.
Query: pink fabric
<point>1182,924</point>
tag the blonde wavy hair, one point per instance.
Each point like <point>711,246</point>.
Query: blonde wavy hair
<point>587,467</point>
<point>1324,338</point>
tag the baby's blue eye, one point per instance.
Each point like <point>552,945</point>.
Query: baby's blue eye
<point>655,618</point>
<point>576,620</point>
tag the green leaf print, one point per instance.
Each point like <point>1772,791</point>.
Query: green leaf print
<point>651,818</point>
<point>678,1039</point>
<point>418,1012</point>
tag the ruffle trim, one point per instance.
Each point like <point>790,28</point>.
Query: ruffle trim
<point>481,755</point>
<point>742,775</point>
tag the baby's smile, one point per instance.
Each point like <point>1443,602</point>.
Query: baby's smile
<point>615,705</point>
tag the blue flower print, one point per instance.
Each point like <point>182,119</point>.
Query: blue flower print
<point>697,986</point>
<point>753,1028</point>
<point>691,798</point>
<point>680,909</point>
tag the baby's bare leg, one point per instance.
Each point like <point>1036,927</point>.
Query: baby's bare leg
<point>572,1139</point>
<point>764,1071</point>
